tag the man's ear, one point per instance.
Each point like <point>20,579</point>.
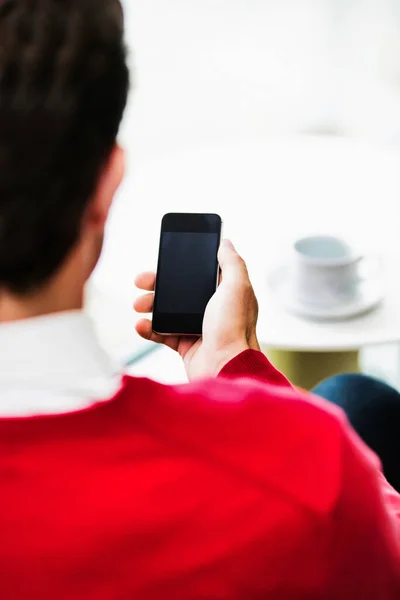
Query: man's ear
<point>110,179</point>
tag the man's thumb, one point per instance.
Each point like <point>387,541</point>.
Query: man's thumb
<point>230,261</point>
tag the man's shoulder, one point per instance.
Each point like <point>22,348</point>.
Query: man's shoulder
<point>242,406</point>
<point>271,436</point>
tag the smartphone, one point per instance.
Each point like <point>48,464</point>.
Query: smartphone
<point>187,273</point>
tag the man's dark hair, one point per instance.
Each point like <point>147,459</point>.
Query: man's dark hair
<point>63,89</point>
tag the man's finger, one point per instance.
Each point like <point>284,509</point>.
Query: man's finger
<point>146,281</point>
<point>144,304</point>
<point>145,330</point>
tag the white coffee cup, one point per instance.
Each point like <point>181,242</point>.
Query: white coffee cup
<point>325,271</point>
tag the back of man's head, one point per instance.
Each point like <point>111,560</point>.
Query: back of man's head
<point>63,90</point>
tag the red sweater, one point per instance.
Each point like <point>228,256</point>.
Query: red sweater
<point>236,488</point>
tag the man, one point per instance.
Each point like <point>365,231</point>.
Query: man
<point>234,486</point>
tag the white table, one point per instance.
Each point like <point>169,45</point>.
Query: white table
<point>268,193</point>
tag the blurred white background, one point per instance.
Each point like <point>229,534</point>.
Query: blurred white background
<point>211,71</point>
<point>218,74</point>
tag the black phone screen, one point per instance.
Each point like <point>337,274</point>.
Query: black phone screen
<point>187,272</point>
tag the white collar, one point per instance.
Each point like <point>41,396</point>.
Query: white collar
<point>53,364</point>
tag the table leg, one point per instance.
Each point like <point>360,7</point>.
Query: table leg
<point>307,369</point>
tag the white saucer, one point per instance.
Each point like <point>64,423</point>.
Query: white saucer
<point>370,295</point>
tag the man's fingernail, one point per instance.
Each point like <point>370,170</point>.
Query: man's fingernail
<point>229,244</point>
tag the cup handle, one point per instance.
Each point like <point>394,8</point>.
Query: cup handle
<point>370,267</point>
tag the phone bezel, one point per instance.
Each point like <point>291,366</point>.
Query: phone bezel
<point>169,324</point>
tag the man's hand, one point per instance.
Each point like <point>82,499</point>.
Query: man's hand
<point>229,325</point>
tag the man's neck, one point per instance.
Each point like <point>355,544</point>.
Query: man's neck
<point>64,292</point>
<point>14,308</point>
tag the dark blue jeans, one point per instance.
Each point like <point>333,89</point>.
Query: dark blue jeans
<point>373,408</point>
